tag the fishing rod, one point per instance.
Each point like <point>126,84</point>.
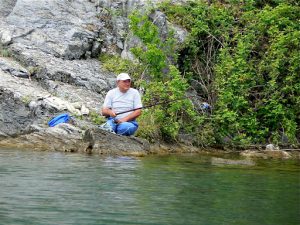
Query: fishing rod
<point>155,104</point>
<point>106,126</point>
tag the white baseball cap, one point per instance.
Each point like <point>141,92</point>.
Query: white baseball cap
<point>123,76</point>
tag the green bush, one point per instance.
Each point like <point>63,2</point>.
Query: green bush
<point>245,58</point>
<point>258,78</point>
<point>165,84</point>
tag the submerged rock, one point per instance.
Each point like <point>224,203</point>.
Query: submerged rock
<point>240,162</point>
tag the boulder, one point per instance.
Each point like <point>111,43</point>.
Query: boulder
<point>267,154</point>
<point>104,142</point>
<point>63,137</point>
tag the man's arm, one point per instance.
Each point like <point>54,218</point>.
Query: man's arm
<point>131,116</point>
<point>107,105</point>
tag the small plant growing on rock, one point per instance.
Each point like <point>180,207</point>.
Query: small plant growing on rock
<point>96,118</point>
<point>26,99</point>
<point>4,52</point>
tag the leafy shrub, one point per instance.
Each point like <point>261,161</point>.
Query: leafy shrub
<point>244,57</point>
<point>241,56</point>
<point>258,77</point>
<point>165,84</point>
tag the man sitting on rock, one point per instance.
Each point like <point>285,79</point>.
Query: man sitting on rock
<point>121,99</point>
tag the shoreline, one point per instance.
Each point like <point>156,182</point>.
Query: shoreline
<point>163,149</point>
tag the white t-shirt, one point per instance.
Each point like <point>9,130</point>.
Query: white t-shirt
<point>120,102</point>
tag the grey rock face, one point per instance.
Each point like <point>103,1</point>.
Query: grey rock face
<point>53,69</point>
<point>65,29</point>
<point>14,116</point>
<point>159,19</point>
<point>51,38</point>
<point>63,137</point>
<point>12,67</point>
<point>6,6</point>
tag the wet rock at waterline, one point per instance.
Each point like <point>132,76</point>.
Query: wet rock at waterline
<point>63,137</point>
<point>67,138</point>
<point>101,142</point>
<point>267,154</point>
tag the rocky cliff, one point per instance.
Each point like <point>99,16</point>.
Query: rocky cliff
<point>49,65</point>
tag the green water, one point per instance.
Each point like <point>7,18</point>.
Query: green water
<point>57,188</point>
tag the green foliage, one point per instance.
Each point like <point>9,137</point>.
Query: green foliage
<point>4,52</point>
<point>244,58</point>
<point>26,99</point>
<point>116,64</point>
<point>258,79</point>
<point>32,70</point>
<point>153,58</point>
<point>96,118</point>
<point>210,28</point>
<point>143,28</point>
<point>149,128</point>
<point>165,84</point>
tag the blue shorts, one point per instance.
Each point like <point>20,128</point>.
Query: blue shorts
<point>125,128</point>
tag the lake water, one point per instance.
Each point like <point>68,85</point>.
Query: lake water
<point>58,188</point>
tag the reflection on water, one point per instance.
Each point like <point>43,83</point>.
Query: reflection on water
<point>58,188</point>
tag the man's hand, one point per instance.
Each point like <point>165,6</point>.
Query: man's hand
<point>120,121</point>
<point>112,113</point>
<point>108,112</point>
<point>129,117</point>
